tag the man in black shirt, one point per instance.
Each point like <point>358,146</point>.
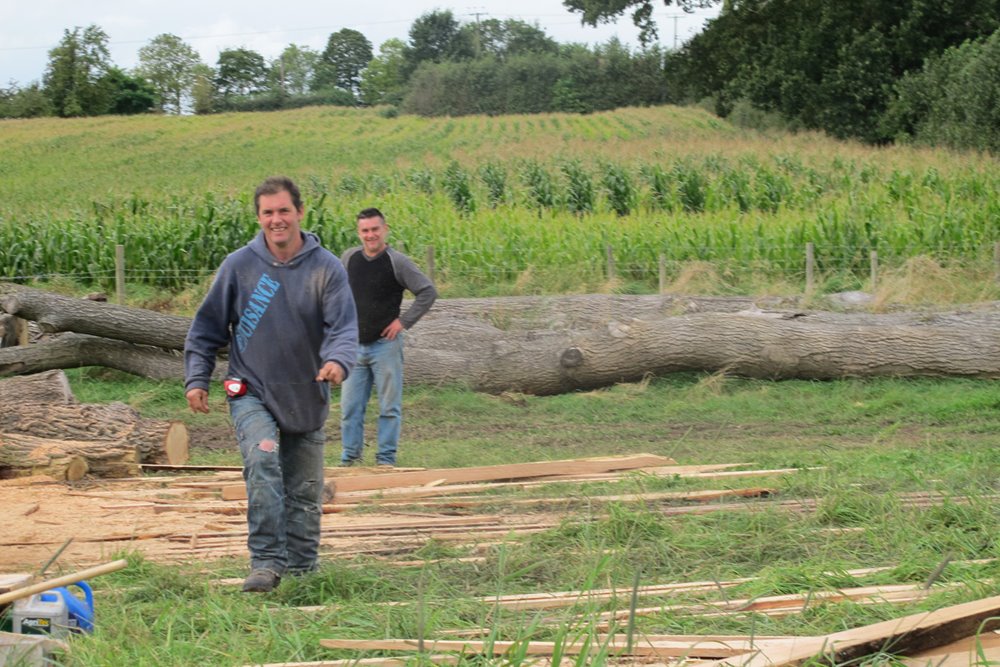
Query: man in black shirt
<point>378,275</point>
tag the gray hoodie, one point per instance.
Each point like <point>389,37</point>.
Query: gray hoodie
<point>282,322</point>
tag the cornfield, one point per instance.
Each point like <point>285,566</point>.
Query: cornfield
<point>496,198</point>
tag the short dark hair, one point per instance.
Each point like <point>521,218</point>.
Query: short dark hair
<point>371,213</point>
<point>275,184</point>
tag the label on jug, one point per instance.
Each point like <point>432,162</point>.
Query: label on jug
<point>38,625</point>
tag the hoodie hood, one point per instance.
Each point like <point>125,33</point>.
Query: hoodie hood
<point>310,242</point>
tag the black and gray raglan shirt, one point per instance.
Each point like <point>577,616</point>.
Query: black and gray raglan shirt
<point>282,321</point>
<point>378,283</point>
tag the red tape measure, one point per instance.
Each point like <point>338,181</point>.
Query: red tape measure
<point>234,387</point>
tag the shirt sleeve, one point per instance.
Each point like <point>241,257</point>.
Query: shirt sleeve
<point>410,277</point>
<point>340,320</point>
<point>209,332</point>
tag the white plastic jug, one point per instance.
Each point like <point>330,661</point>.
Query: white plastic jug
<point>41,614</point>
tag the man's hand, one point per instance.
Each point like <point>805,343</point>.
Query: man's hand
<point>391,331</point>
<point>331,372</point>
<point>197,399</point>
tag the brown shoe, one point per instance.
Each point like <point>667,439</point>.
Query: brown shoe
<point>261,580</point>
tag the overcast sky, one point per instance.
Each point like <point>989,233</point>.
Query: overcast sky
<point>30,28</point>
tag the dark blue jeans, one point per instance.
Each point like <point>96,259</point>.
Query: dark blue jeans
<point>284,478</point>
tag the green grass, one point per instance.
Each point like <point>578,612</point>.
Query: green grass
<point>875,439</point>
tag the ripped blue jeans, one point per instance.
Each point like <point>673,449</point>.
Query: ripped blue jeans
<point>284,478</point>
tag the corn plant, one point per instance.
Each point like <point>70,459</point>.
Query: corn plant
<point>690,187</point>
<point>459,188</point>
<point>539,183</point>
<point>618,189</point>
<point>579,188</point>
<point>494,175</point>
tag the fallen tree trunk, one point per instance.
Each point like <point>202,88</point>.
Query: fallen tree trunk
<point>156,441</point>
<point>586,311</point>
<point>22,455</point>
<point>56,313</point>
<point>589,341</point>
<point>50,387</point>
<point>762,345</point>
<point>74,350</point>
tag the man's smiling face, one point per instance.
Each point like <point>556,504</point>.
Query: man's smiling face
<point>279,220</point>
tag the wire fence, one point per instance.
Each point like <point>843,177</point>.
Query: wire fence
<point>809,266</point>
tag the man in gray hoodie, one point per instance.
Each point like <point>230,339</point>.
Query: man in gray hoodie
<point>283,306</point>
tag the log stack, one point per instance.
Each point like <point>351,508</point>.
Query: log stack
<point>44,430</point>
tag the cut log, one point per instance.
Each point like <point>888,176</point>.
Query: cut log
<point>157,441</point>
<point>13,331</point>
<point>51,387</point>
<point>70,460</point>
<point>55,313</point>
<point>75,350</point>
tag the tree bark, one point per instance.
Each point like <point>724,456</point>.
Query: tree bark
<point>753,344</point>
<point>55,313</point>
<point>13,331</point>
<point>23,455</point>
<point>73,350</point>
<point>50,387</point>
<point>545,345</point>
<point>157,441</point>
<point>586,311</point>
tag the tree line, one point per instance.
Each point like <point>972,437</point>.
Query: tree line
<point>508,66</point>
<point>874,70</point>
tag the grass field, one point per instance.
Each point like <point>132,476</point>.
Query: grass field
<point>525,204</point>
<point>530,205</point>
<point>872,443</point>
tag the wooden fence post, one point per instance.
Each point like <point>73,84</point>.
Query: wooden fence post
<point>873,259</point>
<point>120,273</point>
<point>996,260</point>
<point>663,273</point>
<point>810,267</point>
<point>430,263</point>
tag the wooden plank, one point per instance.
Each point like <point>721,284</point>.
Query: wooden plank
<point>615,645</point>
<point>365,662</point>
<point>65,580</point>
<point>976,650</point>
<point>498,647</point>
<point>507,471</point>
<point>777,605</point>
<point>9,582</point>
<point>482,473</point>
<point>387,496</point>
<point>906,635</point>
<point>706,495</point>
<point>182,467</point>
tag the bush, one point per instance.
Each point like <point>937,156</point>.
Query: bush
<point>953,100</point>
